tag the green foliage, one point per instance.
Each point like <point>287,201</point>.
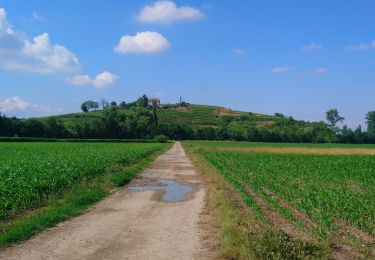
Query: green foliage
<point>89,106</point>
<point>30,173</point>
<point>370,120</point>
<point>333,117</point>
<point>139,120</point>
<point>161,138</point>
<point>142,101</point>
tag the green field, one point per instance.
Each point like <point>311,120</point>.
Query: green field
<point>30,173</point>
<point>326,197</point>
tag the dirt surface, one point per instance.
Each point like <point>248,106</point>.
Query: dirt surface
<point>131,224</point>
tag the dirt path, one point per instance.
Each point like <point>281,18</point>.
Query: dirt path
<point>132,224</point>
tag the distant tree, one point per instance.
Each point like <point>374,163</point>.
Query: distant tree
<point>142,101</point>
<point>279,115</point>
<point>104,103</point>
<point>347,135</point>
<point>333,117</point>
<point>84,107</point>
<point>55,128</point>
<point>155,118</point>
<point>89,106</point>
<point>94,105</point>
<point>358,135</point>
<point>122,104</point>
<point>113,104</point>
<point>370,121</point>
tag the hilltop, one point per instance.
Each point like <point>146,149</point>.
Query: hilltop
<point>193,115</point>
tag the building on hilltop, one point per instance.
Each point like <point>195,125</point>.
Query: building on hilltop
<point>154,102</point>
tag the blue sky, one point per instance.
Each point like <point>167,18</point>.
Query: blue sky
<point>299,58</point>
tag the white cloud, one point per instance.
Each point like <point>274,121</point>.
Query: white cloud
<point>167,12</point>
<point>17,52</point>
<point>361,47</point>
<point>13,103</point>
<point>239,51</point>
<point>311,47</point>
<point>102,80</point>
<point>5,28</point>
<point>143,42</point>
<point>80,80</point>
<point>320,71</point>
<point>280,69</point>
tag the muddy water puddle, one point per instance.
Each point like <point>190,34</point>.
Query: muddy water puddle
<point>173,191</point>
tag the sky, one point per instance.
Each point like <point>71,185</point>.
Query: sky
<point>299,58</point>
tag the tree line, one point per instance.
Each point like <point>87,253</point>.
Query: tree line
<point>138,120</point>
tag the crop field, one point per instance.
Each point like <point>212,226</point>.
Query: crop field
<point>329,198</point>
<point>30,173</point>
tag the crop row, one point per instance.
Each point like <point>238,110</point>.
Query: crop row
<point>31,172</point>
<point>328,188</point>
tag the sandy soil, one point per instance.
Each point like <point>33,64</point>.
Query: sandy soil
<point>130,224</point>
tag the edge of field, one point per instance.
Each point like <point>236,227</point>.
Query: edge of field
<point>239,233</point>
<point>72,203</point>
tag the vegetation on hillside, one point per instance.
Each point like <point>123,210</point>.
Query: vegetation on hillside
<point>184,121</point>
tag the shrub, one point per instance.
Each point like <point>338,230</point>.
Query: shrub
<point>161,138</point>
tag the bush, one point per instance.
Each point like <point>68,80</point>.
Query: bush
<point>161,138</point>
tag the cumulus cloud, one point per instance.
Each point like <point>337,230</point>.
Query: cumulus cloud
<point>311,47</point>
<point>361,47</point>
<point>102,80</point>
<point>18,52</point>
<point>143,42</point>
<point>280,69</point>
<point>168,12</point>
<point>13,103</point>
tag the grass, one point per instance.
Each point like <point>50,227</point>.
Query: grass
<point>73,202</point>
<point>318,202</point>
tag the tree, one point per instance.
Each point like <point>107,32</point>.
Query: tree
<point>113,104</point>
<point>104,103</point>
<point>84,107</point>
<point>333,117</point>
<point>279,115</point>
<point>142,101</point>
<point>94,105</point>
<point>122,104</point>
<point>370,121</point>
<point>155,118</point>
<point>89,105</point>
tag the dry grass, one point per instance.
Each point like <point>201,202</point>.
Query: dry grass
<point>294,150</point>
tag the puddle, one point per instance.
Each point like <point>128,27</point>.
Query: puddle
<point>173,190</point>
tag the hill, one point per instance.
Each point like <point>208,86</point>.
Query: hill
<point>138,120</point>
<point>195,116</point>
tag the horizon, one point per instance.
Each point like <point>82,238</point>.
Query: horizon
<point>265,57</point>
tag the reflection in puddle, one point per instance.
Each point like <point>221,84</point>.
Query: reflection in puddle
<point>173,190</point>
